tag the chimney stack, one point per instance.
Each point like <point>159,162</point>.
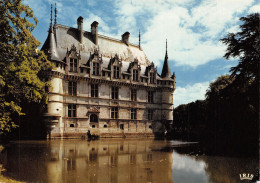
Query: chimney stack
<point>80,28</point>
<point>125,38</point>
<point>94,32</point>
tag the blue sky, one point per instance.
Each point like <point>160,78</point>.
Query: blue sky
<point>192,27</point>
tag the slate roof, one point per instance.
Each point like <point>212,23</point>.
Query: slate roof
<point>61,38</point>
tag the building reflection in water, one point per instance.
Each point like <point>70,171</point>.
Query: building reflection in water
<point>110,160</point>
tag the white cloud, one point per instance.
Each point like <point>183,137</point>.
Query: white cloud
<point>255,9</point>
<point>103,27</point>
<point>193,30</point>
<point>190,93</point>
<point>192,27</point>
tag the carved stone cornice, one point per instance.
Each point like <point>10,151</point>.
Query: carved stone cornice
<point>110,82</point>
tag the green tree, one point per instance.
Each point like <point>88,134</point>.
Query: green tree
<point>230,111</point>
<point>244,45</point>
<point>22,81</point>
<point>216,87</point>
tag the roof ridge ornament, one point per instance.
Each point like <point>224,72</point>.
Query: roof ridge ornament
<point>96,51</point>
<point>139,40</point>
<point>51,17</point>
<point>166,54</point>
<point>55,17</point>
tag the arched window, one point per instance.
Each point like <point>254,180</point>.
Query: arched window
<point>93,118</point>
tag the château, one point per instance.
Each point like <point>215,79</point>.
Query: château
<point>104,85</point>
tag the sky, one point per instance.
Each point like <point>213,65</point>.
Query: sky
<point>192,28</point>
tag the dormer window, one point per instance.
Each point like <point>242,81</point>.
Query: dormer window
<point>152,78</point>
<point>73,64</point>
<point>95,69</point>
<point>135,75</point>
<point>116,72</point>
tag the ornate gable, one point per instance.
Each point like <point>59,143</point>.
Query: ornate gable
<point>115,61</point>
<point>134,65</point>
<point>73,52</point>
<point>72,59</point>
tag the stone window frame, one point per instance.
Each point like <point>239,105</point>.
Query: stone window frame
<point>94,90</point>
<point>72,88</point>
<point>115,66</point>
<point>150,96</point>
<point>135,75</point>
<point>73,65</point>
<point>133,93</point>
<point>114,112</point>
<point>93,118</point>
<point>133,113</point>
<point>135,70</point>
<point>152,78</point>
<point>114,92</point>
<point>72,110</point>
<point>116,71</point>
<point>95,68</point>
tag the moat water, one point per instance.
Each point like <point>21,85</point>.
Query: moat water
<point>118,161</point>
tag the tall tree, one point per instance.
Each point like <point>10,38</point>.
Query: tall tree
<point>244,45</point>
<point>21,65</point>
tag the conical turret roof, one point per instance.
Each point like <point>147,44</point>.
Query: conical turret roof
<point>49,46</point>
<point>166,72</point>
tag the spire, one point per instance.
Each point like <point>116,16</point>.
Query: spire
<point>51,16</point>
<point>139,40</point>
<point>50,44</point>
<point>55,17</point>
<point>51,28</point>
<point>166,73</point>
<point>166,54</point>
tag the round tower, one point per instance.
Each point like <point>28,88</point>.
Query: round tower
<point>55,108</point>
<point>167,88</point>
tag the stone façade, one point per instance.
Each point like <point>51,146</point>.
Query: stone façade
<point>104,85</point>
